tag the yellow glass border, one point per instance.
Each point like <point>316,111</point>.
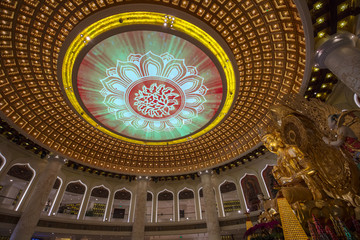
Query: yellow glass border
<point>146,18</point>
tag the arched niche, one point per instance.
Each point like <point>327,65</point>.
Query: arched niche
<point>165,206</point>
<point>97,205</point>
<point>269,180</point>
<point>251,188</point>
<point>72,199</point>
<point>121,206</point>
<point>186,201</point>
<point>230,198</point>
<point>15,185</point>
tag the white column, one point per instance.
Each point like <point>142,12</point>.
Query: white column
<point>340,55</point>
<point>109,207</point>
<point>138,229</point>
<point>197,204</point>
<point>212,221</point>
<point>219,202</point>
<point>132,207</point>
<point>29,218</point>
<point>154,207</point>
<point>85,202</point>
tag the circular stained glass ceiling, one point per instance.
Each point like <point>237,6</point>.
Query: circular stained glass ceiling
<point>149,85</point>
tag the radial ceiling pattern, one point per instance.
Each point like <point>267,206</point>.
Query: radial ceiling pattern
<point>149,85</point>
<point>265,38</point>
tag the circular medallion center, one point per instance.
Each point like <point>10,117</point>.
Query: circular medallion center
<point>155,98</point>
<point>149,85</point>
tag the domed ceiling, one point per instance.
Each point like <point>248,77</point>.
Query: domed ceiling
<point>148,88</point>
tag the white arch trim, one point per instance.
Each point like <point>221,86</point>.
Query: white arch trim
<point>107,202</point>
<point>262,177</point>
<point>157,204</point>
<point>32,179</point>
<point>131,199</point>
<point>200,209</point>
<point>56,196</point>
<point>3,157</point>
<point>178,201</point>
<point>152,204</point>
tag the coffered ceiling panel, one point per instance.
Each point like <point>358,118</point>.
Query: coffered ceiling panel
<point>265,43</point>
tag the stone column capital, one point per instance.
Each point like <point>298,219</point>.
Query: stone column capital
<point>55,157</point>
<point>205,172</point>
<point>142,178</point>
<point>330,44</point>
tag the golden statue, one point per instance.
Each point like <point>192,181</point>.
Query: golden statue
<point>314,175</point>
<point>293,168</point>
<point>304,155</point>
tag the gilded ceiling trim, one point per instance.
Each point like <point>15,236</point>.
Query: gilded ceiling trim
<point>148,18</point>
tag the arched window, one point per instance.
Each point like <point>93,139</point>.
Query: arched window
<point>121,206</point>
<point>186,205</point>
<point>230,198</point>
<point>251,188</point>
<point>72,199</point>
<point>14,186</point>
<point>165,206</point>
<point>97,205</point>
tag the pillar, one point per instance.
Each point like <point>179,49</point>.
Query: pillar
<point>110,205</point>
<point>138,229</point>
<point>30,216</point>
<point>176,207</point>
<point>197,205</point>
<point>212,221</point>
<point>340,55</point>
<point>154,208</point>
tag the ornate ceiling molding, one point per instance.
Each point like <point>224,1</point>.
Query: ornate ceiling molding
<point>266,39</point>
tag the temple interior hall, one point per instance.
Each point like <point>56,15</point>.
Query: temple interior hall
<point>152,119</point>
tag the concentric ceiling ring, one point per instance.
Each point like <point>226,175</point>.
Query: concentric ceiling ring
<point>265,40</point>
<point>146,18</point>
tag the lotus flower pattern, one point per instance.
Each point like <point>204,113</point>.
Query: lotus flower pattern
<point>153,92</point>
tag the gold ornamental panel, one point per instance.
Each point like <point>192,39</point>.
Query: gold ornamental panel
<point>266,39</point>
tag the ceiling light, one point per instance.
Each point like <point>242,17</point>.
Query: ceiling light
<point>318,5</point>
